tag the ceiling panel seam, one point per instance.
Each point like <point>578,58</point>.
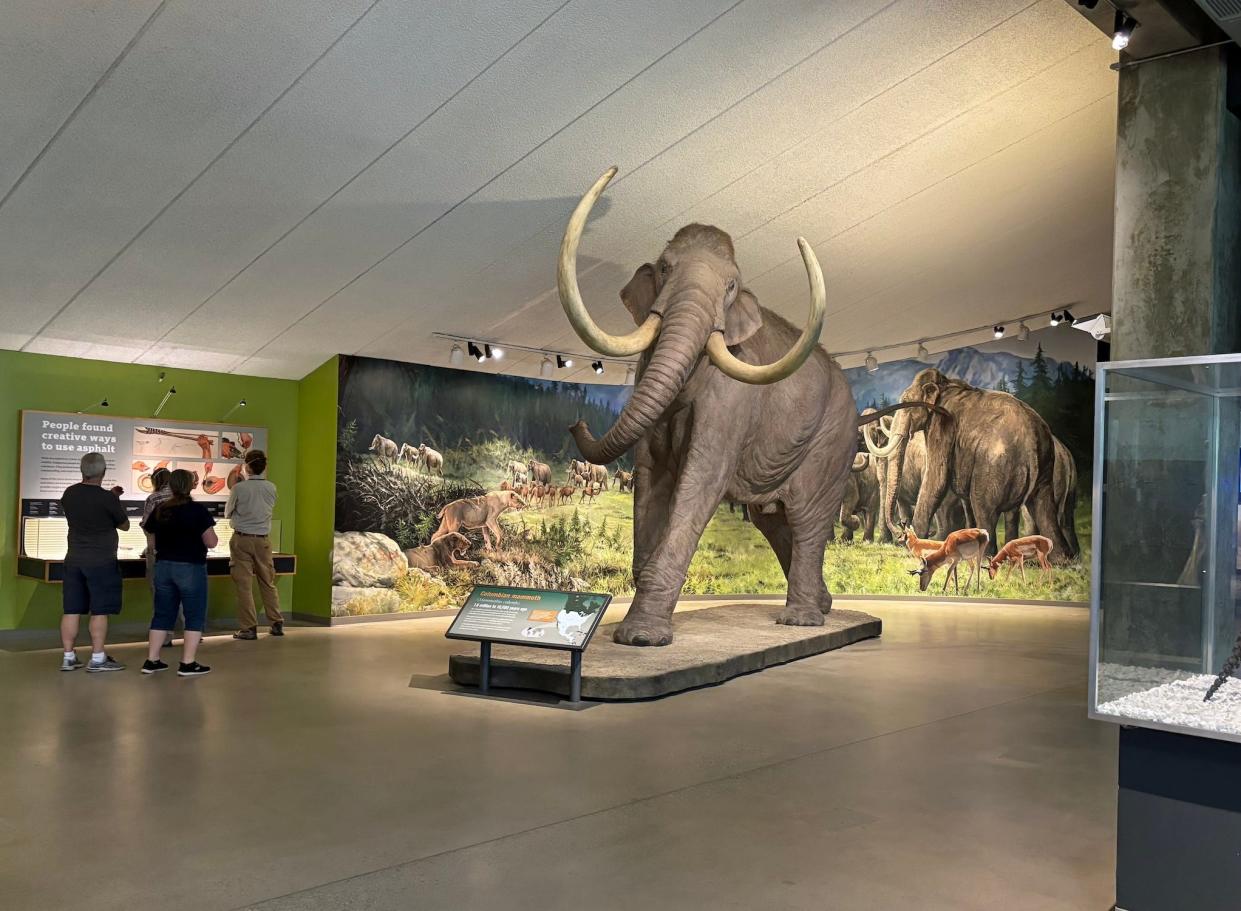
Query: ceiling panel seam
<point>534,301</point>
<point>484,186</point>
<point>83,102</point>
<point>1047,126</point>
<point>212,163</point>
<point>853,110</point>
<point>620,178</point>
<point>374,161</point>
<point>933,184</point>
<point>905,145</point>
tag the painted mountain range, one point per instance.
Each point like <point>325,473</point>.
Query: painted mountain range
<point>983,369</point>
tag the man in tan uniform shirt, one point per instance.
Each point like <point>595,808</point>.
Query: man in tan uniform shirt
<point>249,508</point>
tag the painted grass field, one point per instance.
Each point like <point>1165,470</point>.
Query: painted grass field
<point>733,557</point>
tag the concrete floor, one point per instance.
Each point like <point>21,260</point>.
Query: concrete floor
<point>949,765</point>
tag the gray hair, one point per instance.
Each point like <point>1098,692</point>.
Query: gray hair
<point>93,466</point>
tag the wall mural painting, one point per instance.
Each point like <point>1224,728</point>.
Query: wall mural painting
<point>449,478</point>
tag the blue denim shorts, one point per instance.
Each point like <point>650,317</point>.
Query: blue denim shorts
<point>180,586</point>
<point>92,590</point>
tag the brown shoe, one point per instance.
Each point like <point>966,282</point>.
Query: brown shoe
<point>277,628</point>
<point>250,633</point>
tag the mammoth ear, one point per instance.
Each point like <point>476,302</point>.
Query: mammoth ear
<point>639,295</point>
<point>930,392</point>
<point>743,318</point>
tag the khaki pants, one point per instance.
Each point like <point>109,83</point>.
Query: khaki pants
<point>250,558</point>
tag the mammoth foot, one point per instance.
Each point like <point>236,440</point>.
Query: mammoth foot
<point>644,630</point>
<point>806,615</point>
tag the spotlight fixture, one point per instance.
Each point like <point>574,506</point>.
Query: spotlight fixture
<point>562,361</point>
<point>100,404</point>
<point>545,369</point>
<point>1123,30</point>
<point>631,375</point>
<point>476,352</point>
<point>1055,318</point>
<point>104,403</point>
<point>923,354</point>
<point>1023,332</point>
<point>162,374</point>
<point>872,365</point>
<point>1066,317</point>
<point>997,330</point>
<point>597,366</point>
<point>496,353</point>
<point>456,356</point>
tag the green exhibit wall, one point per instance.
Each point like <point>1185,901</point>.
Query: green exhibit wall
<point>316,490</point>
<point>43,382</point>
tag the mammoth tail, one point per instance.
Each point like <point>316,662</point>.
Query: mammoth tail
<point>892,409</point>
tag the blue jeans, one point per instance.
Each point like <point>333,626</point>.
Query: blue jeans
<point>184,586</point>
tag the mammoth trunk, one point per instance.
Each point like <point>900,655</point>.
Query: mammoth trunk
<point>677,349</point>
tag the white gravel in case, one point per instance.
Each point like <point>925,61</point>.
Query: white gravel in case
<point>1178,701</point>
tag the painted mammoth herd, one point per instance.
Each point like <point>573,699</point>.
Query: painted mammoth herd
<point>733,403</point>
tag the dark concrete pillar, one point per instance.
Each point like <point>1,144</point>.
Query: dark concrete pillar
<point>1177,291</point>
<point>1176,277</point>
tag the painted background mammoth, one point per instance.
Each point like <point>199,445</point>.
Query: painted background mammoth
<point>989,449</point>
<point>710,424</point>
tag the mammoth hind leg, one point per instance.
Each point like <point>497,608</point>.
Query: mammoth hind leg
<point>775,528</point>
<point>808,598</point>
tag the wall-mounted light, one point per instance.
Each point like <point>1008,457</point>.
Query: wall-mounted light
<point>240,404</point>
<point>997,331</point>
<point>496,353</point>
<point>546,368</point>
<point>162,374</point>
<point>562,361</point>
<point>476,352</point>
<point>1055,319</point>
<point>103,403</point>
<point>1023,332</point>
<point>164,401</point>
<point>1122,30</point>
<point>456,356</point>
<point>597,366</point>
<point>872,364</point>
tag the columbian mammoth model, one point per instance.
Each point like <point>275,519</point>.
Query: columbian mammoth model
<point>731,402</point>
<point>988,448</point>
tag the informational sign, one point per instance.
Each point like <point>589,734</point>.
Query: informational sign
<point>529,616</point>
<point>53,445</point>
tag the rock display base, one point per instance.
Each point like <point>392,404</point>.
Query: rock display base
<point>709,646</point>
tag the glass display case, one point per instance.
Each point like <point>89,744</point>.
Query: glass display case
<point>1166,580</point>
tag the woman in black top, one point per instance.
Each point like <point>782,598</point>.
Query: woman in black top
<point>183,531</point>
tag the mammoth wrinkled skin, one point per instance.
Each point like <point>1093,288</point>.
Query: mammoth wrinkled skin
<point>730,402</point>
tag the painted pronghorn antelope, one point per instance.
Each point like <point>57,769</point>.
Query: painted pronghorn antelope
<point>1015,552</point>
<point>919,547</point>
<point>968,544</point>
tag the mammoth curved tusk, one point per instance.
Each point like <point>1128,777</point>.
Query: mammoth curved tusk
<point>887,449</point>
<point>571,296</point>
<point>860,461</point>
<point>760,374</point>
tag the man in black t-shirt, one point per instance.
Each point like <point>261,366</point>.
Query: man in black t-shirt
<point>92,575</point>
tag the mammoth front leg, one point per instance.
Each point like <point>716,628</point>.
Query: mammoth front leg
<point>653,486</point>
<point>700,487</point>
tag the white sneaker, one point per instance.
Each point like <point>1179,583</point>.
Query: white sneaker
<point>70,664</point>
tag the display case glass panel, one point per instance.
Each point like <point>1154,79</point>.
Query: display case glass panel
<point>1167,562</point>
